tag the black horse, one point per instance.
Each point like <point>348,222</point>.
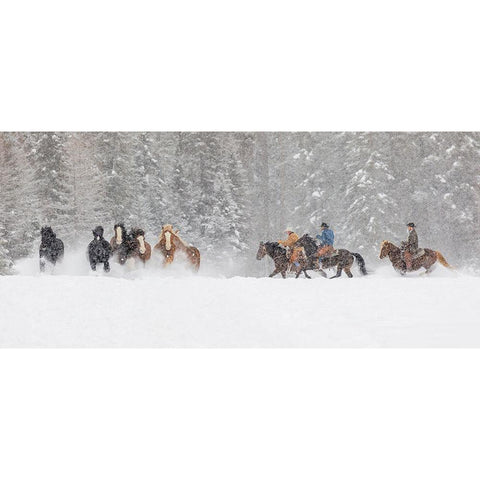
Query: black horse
<point>99,250</point>
<point>278,254</point>
<point>123,245</point>
<point>51,248</point>
<point>342,258</point>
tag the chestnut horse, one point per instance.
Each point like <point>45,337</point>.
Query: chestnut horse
<point>169,241</point>
<point>166,246</point>
<point>142,250</point>
<point>427,260</point>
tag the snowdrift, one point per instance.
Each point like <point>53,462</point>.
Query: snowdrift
<point>175,308</point>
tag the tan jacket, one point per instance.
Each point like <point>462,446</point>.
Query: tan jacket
<point>290,241</point>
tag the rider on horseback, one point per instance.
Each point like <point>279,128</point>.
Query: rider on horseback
<point>326,242</point>
<point>289,243</point>
<point>410,247</point>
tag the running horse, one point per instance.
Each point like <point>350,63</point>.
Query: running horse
<point>425,260</point>
<point>142,250</point>
<point>51,248</point>
<point>169,241</point>
<point>342,259</point>
<point>99,250</point>
<point>278,253</point>
<point>123,245</point>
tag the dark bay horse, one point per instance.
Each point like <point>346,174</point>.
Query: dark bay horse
<point>342,259</point>
<point>99,250</point>
<point>278,254</point>
<point>51,248</point>
<point>142,250</point>
<point>427,260</point>
<point>123,245</point>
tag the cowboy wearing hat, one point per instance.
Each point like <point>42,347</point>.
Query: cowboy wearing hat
<point>290,242</point>
<point>326,241</point>
<point>410,247</point>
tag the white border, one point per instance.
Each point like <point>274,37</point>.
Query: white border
<point>254,65</point>
<point>256,414</point>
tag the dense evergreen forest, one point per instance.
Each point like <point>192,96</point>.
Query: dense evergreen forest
<point>228,191</point>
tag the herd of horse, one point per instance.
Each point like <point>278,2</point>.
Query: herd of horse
<point>125,246</point>
<point>341,259</point>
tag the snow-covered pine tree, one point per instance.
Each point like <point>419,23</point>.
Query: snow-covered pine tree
<point>261,193</point>
<point>115,159</point>
<point>321,183</point>
<point>18,195</point>
<point>6,262</point>
<point>87,183</point>
<point>180,206</point>
<point>241,208</point>
<point>200,153</point>
<point>460,202</point>
<point>372,212</point>
<point>52,174</point>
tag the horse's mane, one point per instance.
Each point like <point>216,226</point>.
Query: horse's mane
<point>308,238</point>
<point>274,247</point>
<point>122,227</point>
<point>308,242</point>
<point>386,242</point>
<point>136,232</point>
<point>47,232</point>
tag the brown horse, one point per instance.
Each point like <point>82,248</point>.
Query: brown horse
<point>169,241</point>
<point>123,245</point>
<point>193,254</point>
<point>143,250</point>
<point>281,260</point>
<point>342,259</point>
<point>427,260</point>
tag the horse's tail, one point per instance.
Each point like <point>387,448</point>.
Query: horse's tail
<point>361,263</point>
<point>442,260</point>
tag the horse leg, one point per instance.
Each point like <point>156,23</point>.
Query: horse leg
<point>338,274</point>
<point>106,266</point>
<point>275,272</point>
<point>306,274</point>
<point>298,270</point>
<point>348,272</point>
<point>322,273</point>
<point>429,269</point>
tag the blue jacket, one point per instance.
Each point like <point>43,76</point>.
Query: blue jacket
<point>326,237</point>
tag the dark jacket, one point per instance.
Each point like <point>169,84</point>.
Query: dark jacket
<point>412,242</point>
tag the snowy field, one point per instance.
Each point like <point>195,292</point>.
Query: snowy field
<point>174,308</point>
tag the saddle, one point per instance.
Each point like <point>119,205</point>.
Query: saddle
<point>420,253</point>
<point>333,253</point>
